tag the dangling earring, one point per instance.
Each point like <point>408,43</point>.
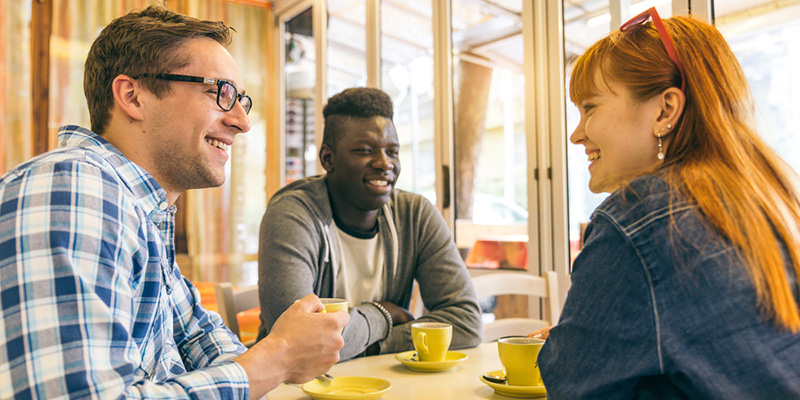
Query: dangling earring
<point>660,144</point>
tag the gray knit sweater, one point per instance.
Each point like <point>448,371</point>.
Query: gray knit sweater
<point>298,252</point>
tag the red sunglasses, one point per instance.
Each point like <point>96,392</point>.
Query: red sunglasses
<point>669,46</point>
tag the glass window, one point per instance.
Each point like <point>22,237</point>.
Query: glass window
<point>407,76</point>
<point>490,148</point>
<point>347,47</point>
<point>766,41</point>
<point>300,75</point>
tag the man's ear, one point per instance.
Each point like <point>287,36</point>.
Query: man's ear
<point>326,157</point>
<point>671,103</point>
<point>127,95</point>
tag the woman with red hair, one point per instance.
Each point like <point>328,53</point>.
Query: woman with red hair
<point>687,284</point>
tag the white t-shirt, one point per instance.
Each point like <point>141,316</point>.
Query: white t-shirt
<point>360,275</point>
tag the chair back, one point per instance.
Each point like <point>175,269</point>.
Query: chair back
<point>233,301</point>
<point>518,283</point>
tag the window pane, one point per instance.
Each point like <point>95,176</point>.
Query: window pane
<point>766,41</point>
<point>347,47</point>
<point>407,76</point>
<point>300,73</point>
<point>489,129</point>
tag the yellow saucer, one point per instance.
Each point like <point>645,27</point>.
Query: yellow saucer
<point>451,360</point>
<point>347,387</point>
<point>513,391</point>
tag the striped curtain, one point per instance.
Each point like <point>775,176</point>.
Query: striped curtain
<point>15,83</point>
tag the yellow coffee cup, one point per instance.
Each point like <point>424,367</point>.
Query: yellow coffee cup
<point>431,340</point>
<point>519,355</point>
<point>332,304</point>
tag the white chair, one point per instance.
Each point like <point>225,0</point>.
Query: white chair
<point>232,301</point>
<point>520,283</point>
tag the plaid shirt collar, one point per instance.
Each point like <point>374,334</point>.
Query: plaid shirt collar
<point>151,195</point>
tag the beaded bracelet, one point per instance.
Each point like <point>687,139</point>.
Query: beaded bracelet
<point>385,312</point>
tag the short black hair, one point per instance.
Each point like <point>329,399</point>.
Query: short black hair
<point>353,103</point>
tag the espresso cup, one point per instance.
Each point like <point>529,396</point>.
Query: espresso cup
<point>519,355</point>
<point>431,340</point>
<point>332,305</point>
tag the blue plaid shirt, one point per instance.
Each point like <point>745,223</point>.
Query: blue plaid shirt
<point>92,302</point>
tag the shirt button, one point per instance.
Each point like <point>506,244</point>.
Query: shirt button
<point>163,205</point>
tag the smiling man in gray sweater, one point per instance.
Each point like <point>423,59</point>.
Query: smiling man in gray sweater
<point>351,234</point>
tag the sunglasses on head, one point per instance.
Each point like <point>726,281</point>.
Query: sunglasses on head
<point>669,46</point>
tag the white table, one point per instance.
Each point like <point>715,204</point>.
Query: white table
<point>460,383</point>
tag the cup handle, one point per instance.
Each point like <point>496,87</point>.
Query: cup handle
<point>423,341</point>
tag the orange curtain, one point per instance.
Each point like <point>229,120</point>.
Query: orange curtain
<point>15,82</point>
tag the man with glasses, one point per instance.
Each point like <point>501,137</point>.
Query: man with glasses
<point>92,301</point>
<point>227,95</point>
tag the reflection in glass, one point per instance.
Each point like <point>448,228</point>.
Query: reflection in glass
<point>300,70</point>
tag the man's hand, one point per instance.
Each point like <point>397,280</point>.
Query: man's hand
<point>399,314</point>
<point>302,344</point>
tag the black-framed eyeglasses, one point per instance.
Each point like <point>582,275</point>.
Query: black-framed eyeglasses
<point>669,46</point>
<point>227,95</point>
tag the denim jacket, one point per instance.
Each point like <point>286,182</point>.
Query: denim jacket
<point>662,306</point>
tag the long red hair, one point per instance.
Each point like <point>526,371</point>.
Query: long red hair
<point>714,155</point>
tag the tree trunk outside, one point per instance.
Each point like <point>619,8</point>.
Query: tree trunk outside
<point>472,99</point>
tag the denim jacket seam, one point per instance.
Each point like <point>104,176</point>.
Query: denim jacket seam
<point>649,278</point>
<point>640,223</point>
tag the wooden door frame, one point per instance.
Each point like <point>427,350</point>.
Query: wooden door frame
<point>41,31</point>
